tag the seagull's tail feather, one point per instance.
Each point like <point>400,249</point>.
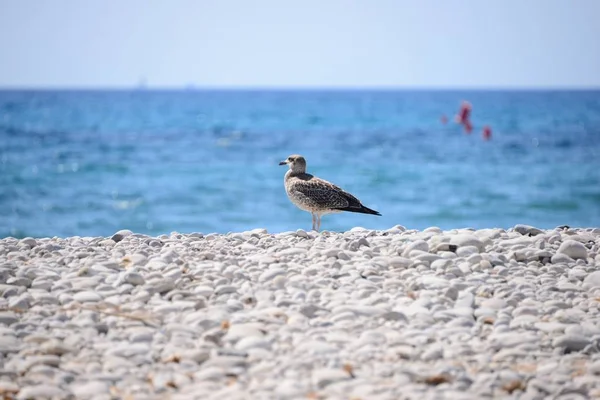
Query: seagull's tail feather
<point>362,210</point>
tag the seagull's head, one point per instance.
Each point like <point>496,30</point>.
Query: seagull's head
<point>296,162</point>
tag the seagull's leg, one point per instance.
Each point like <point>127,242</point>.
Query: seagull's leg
<point>314,221</point>
<point>318,222</point>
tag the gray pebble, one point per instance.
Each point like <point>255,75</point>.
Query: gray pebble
<point>324,377</point>
<point>9,344</point>
<point>90,389</point>
<point>41,392</point>
<point>571,342</point>
<point>559,258</point>
<point>8,317</point>
<point>573,249</point>
<point>134,278</point>
<point>225,289</point>
<point>527,230</point>
<point>120,235</point>
<point>87,297</point>
<point>592,280</point>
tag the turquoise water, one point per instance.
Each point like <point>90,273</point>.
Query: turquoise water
<point>90,163</point>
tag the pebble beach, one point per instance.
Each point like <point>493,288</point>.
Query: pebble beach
<point>363,314</point>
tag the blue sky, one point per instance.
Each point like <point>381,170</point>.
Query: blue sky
<point>307,43</point>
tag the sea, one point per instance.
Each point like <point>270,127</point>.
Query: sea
<point>92,162</point>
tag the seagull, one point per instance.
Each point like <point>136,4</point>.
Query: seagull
<point>316,195</point>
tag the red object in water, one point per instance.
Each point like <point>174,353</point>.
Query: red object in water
<point>444,119</point>
<point>487,132</point>
<point>464,114</point>
<point>468,126</point>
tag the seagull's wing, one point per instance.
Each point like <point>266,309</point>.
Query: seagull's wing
<point>322,194</point>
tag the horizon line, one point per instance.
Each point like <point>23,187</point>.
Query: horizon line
<point>275,88</point>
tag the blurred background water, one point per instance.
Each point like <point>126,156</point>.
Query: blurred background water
<point>93,162</point>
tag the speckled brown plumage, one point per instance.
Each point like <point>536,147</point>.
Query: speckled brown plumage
<point>316,195</point>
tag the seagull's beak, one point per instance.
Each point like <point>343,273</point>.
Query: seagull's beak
<point>283,163</point>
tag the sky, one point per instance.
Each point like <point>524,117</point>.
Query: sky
<point>300,44</point>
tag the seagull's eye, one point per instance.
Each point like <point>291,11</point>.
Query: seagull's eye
<point>290,159</point>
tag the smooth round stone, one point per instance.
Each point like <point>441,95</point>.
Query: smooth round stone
<point>8,317</point>
<point>229,359</point>
<point>28,241</point>
<point>400,262</point>
<point>210,373</point>
<point>466,251</point>
<point>19,281</point>
<point>9,344</point>
<point>474,259</point>
<point>527,230</point>
<point>446,248</point>
<point>551,327</point>
<point>523,321</point>
<point>433,282</point>
<point>578,274</point>
<point>292,252</point>
<point>394,316</point>
<point>568,286</point>
<point>571,342</point>
<point>258,231</point>
<point>20,304</point>
<point>291,389</point>
<point>416,245</point>
<point>279,281</point>
<point>574,330</point>
<point>426,257</point>
<point>253,342</point>
<point>162,380</point>
<point>270,274</point>
<point>544,254</point>
<point>42,283</point>
<point>8,389</point>
<point>451,293</point>
<point>89,390</point>
<point>43,391</point>
<point>524,311</point>
<point>141,334</point>
<point>465,299</point>
<point>65,298</point>
<point>87,297</point>
<point>331,253</point>
<point>343,316</point>
<point>133,278</point>
<point>592,281</point>
<point>324,377</point>
<point>120,235</point>
<point>126,349</point>
<point>494,304</point>
<point>560,258</point>
<point>461,322</point>
<point>237,332</point>
<point>160,285</point>
<point>463,240</point>
<point>573,249</point>
<point>301,233</point>
<point>440,264</point>
<point>434,352</point>
<point>316,348</point>
<point>225,289</point>
<point>203,290</point>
